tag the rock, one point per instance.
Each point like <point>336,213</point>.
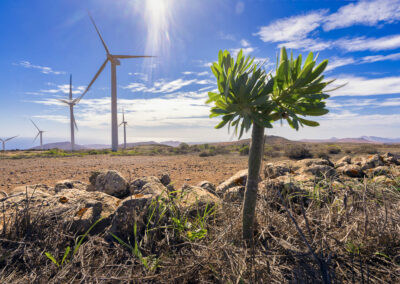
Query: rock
<point>148,185</point>
<point>378,171</point>
<point>165,179</point>
<point>320,170</point>
<point>372,161</point>
<point>137,185</point>
<point>273,170</point>
<point>234,194</point>
<point>391,159</point>
<point>208,186</point>
<point>353,171</point>
<point>239,179</point>
<point>77,209</point>
<point>312,162</point>
<point>130,210</point>
<point>112,183</point>
<point>69,184</point>
<point>195,198</point>
<point>346,160</point>
<point>93,176</point>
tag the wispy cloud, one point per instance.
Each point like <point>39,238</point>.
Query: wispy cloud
<point>64,89</point>
<point>368,13</point>
<point>42,69</point>
<point>163,86</point>
<point>364,43</point>
<point>336,62</point>
<point>300,32</point>
<point>361,86</point>
<point>379,57</point>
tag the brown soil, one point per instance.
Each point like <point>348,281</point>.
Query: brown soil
<point>182,169</point>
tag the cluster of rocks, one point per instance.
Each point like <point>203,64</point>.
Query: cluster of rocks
<point>113,198</point>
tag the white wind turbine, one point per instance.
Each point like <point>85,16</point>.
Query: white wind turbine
<point>71,103</point>
<point>40,132</point>
<point>114,60</point>
<point>124,123</point>
<point>3,141</point>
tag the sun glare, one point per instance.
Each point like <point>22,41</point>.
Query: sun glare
<point>158,18</point>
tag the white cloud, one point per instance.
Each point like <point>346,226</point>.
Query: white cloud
<point>307,44</point>
<point>244,43</point>
<point>292,28</point>
<point>246,51</point>
<point>163,86</point>
<point>367,13</point>
<point>379,57</point>
<point>374,44</point>
<point>42,69</point>
<point>361,86</point>
<point>64,89</point>
<point>336,62</point>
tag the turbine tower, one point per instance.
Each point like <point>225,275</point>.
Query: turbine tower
<point>71,103</point>
<point>114,60</point>
<point>40,132</point>
<point>124,123</point>
<point>3,141</point>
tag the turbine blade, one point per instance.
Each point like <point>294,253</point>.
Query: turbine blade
<point>64,101</point>
<point>36,137</point>
<point>74,121</point>
<point>70,87</point>
<point>8,139</point>
<point>104,44</point>
<point>120,124</point>
<point>132,56</point>
<point>91,82</point>
<point>35,125</point>
<point>123,116</point>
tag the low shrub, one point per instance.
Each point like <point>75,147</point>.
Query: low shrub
<point>298,152</point>
<point>245,150</point>
<point>334,149</point>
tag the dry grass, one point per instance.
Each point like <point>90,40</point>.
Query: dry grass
<point>345,232</point>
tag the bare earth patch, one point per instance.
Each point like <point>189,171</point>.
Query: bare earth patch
<point>182,169</point>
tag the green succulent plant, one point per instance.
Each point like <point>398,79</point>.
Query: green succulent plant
<point>248,97</point>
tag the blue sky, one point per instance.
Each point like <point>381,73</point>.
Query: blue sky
<point>43,41</point>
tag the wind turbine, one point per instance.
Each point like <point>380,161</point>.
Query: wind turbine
<point>40,132</point>
<point>124,123</point>
<point>3,141</point>
<point>114,60</point>
<point>71,102</point>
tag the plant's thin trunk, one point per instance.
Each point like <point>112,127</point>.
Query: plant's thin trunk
<point>250,196</point>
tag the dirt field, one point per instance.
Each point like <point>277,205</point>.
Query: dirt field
<point>189,169</point>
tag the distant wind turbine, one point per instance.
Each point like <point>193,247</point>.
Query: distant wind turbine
<point>3,141</point>
<point>124,123</point>
<point>40,132</point>
<point>114,62</point>
<point>71,102</point>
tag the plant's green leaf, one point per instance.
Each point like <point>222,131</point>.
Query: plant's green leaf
<point>66,253</point>
<point>49,256</point>
<point>308,122</point>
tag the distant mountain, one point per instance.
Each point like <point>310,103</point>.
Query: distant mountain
<point>382,140</point>
<point>60,145</point>
<point>340,140</point>
<point>171,143</point>
<point>271,139</point>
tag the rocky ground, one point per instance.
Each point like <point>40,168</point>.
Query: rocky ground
<point>350,209</point>
<point>182,169</point>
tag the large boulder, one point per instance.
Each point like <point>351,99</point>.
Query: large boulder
<point>77,209</point>
<point>378,171</point>
<point>112,183</point>
<point>165,179</point>
<point>353,171</point>
<point>313,162</point>
<point>234,194</point>
<point>320,170</point>
<point>239,179</point>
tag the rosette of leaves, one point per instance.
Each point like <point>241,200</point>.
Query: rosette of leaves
<point>248,97</point>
